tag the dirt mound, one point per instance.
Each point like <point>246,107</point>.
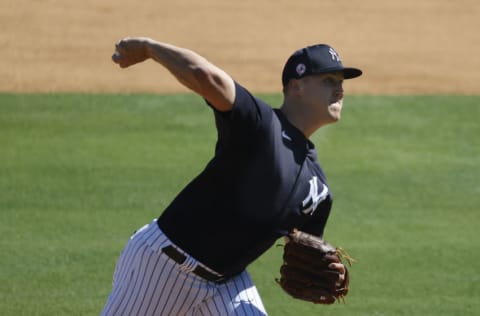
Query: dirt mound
<point>421,46</point>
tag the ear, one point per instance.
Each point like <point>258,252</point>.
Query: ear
<point>295,87</point>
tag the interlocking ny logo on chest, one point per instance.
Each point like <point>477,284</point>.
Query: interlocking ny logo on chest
<point>314,197</point>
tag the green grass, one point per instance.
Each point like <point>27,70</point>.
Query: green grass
<point>79,173</point>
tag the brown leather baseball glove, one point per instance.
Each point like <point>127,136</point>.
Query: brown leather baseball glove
<point>305,273</point>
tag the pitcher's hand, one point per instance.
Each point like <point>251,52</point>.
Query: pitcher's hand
<point>130,51</point>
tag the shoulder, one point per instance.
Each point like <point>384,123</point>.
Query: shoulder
<point>246,106</point>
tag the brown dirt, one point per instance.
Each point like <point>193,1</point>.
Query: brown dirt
<point>408,46</point>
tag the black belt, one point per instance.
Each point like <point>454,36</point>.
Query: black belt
<point>180,258</point>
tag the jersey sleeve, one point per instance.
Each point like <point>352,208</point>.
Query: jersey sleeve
<point>248,117</point>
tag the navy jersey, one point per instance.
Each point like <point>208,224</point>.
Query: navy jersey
<point>263,181</point>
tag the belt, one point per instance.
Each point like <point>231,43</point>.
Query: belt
<point>180,258</point>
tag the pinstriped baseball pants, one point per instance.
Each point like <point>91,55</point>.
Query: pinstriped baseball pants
<point>147,282</point>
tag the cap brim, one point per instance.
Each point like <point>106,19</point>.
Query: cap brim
<point>350,73</point>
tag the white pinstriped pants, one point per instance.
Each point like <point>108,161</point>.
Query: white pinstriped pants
<point>147,282</point>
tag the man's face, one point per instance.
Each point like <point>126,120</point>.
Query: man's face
<point>323,94</point>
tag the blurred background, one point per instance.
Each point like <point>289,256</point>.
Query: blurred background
<point>404,47</point>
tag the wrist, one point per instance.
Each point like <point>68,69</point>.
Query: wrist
<point>148,47</point>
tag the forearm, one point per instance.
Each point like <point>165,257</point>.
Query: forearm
<point>189,68</point>
<point>182,63</point>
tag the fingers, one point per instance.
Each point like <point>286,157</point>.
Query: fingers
<point>129,51</point>
<point>121,54</point>
<point>337,266</point>
<point>120,60</point>
<point>117,55</point>
<point>341,270</point>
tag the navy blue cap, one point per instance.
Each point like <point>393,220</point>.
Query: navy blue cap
<point>313,60</point>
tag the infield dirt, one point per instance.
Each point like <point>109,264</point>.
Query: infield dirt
<point>404,47</point>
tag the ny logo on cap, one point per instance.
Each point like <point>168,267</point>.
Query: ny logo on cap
<point>334,54</point>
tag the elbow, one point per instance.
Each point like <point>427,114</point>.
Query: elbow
<point>215,86</point>
<point>196,79</point>
<point>201,76</point>
<point>206,79</point>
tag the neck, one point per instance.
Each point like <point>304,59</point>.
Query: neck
<point>300,119</point>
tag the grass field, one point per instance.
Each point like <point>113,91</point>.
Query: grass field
<point>79,173</point>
